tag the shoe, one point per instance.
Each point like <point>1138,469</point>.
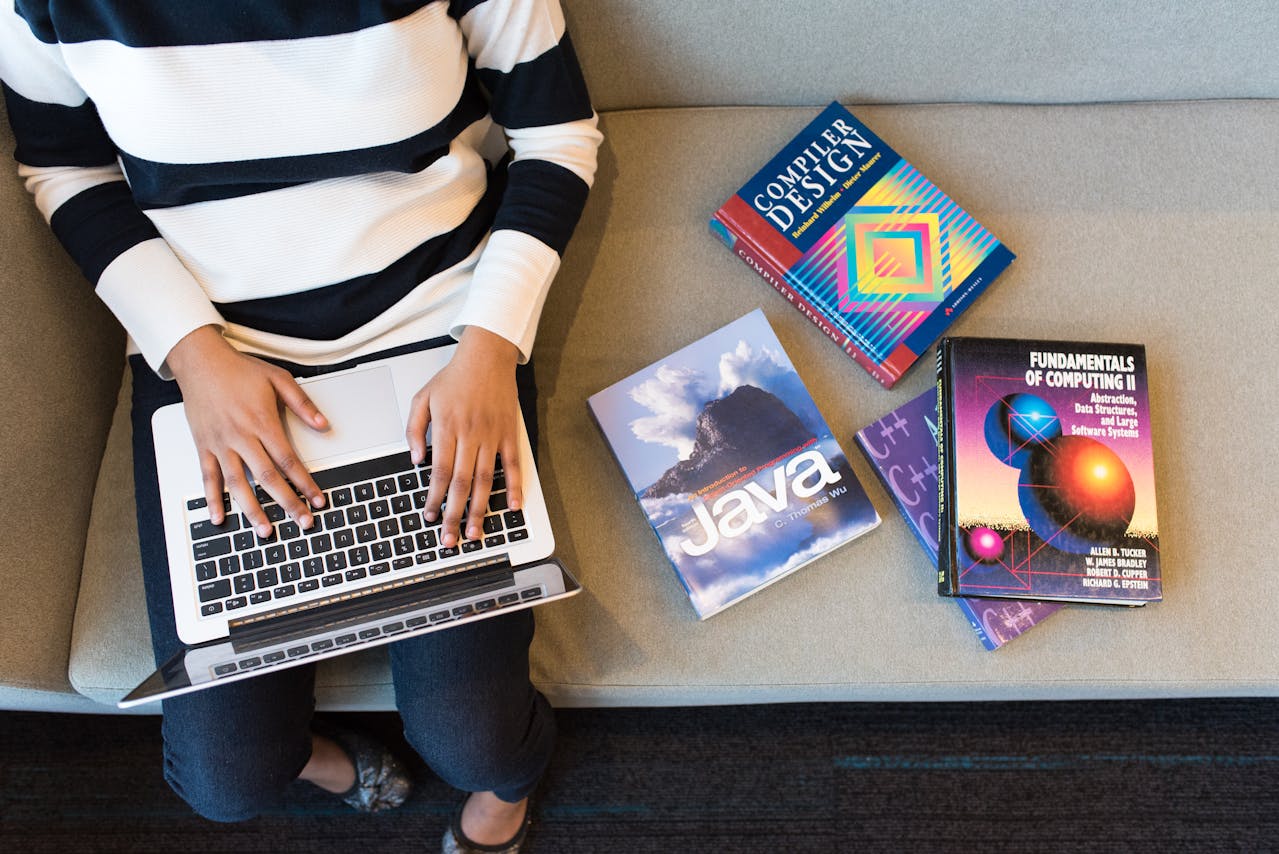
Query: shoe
<point>456,842</point>
<point>381,781</point>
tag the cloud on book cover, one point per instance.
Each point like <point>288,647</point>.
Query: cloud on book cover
<point>677,395</point>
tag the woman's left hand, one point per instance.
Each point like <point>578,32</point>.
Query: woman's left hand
<point>472,407</point>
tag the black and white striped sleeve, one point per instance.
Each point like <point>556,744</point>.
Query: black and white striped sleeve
<point>70,166</point>
<point>525,59</point>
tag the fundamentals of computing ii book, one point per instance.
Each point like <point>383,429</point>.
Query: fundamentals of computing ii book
<point>852,235</point>
<point>902,449</point>
<point>732,463</point>
<point>1047,473</point>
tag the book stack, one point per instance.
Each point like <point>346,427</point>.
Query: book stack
<point>1026,475</point>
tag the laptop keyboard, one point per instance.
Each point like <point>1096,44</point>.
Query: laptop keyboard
<point>371,525</point>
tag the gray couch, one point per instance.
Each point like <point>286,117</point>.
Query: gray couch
<point>1126,153</point>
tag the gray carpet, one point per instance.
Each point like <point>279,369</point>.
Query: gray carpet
<point>1016,777</point>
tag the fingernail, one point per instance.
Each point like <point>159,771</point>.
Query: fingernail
<point>473,533</point>
<point>318,501</point>
<point>428,515</point>
<point>307,520</point>
<point>320,420</point>
<point>516,504</point>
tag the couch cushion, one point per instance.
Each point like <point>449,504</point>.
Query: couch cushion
<point>1150,222</point>
<point>673,53</point>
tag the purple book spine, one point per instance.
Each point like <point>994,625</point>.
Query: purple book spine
<point>902,449</point>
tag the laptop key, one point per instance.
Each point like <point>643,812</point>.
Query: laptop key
<point>414,622</point>
<point>334,519</point>
<point>219,590</point>
<point>508,599</point>
<point>485,605</point>
<point>276,554</point>
<point>358,555</point>
<point>381,550</point>
<point>250,663</point>
<point>440,616</point>
<point>229,565</point>
<point>366,533</point>
<point>201,503</point>
<point>321,543</point>
<point>330,580</point>
<point>401,504</point>
<point>357,514</point>
<point>364,492</point>
<point>425,557</point>
<point>497,501</point>
<point>268,577</point>
<point>403,545</point>
<point>451,551</point>
<point>463,610</point>
<point>385,487</point>
<point>531,593</point>
<point>514,518</point>
<point>236,603</point>
<point>388,528</point>
<point>253,560</point>
<point>402,563</point>
<point>366,634</point>
<point>244,584</point>
<point>344,539</point>
<point>492,523</point>
<point>206,549</point>
<point>225,669</point>
<point>379,568</point>
<point>469,546</point>
<point>204,530</point>
<point>298,550</point>
<point>291,572</point>
<point>273,657</point>
<point>206,571</point>
<point>410,522</point>
<point>407,482</point>
<point>494,541</point>
<point>286,590</point>
<point>260,597</point>
<point>335,561</point>
<point>309,584</point>
<point>295,651</point>
<point>322,645</point>
<point>243,541</point>
<point>343,640</point>
<point>290,530</point>
<point>379,509</point>
<point>518,534</point>
<point>426,540</point>
<point>210,609</point>
<point>342,497</point>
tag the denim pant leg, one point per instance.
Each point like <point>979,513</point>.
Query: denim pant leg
<point>469,708</point>
<point>230,750</point>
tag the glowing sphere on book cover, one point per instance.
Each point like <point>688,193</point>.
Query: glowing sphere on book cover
<point>984,545</point>
<point>1076,493</point>
<point>1017,424</point>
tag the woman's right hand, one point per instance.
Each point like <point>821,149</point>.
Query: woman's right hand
<point>234,406</point>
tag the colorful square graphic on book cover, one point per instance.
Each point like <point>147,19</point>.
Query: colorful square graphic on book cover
<point>734,466</point>
<point>894,261</point>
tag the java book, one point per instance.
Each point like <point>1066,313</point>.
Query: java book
<point>902,449</point>
<point>1047,470</point>
<point>860,242</point>
<point>732,463</point>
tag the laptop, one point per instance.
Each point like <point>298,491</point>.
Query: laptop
<point>372,571</point>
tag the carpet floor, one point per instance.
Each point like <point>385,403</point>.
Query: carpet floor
<point>1150,776</point>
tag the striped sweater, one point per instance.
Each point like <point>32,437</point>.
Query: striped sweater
<point>318,179</point>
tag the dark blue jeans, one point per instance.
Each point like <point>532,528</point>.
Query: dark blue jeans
<point>463,693</point>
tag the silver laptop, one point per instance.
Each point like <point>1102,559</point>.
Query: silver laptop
<point>372,570</point>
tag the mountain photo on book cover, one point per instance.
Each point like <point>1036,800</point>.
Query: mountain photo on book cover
<point>733,464</point>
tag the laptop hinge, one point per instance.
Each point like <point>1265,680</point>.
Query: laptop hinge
<point>393,594</point>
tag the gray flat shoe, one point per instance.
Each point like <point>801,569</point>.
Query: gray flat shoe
<point>381,781</point>
<point>456,842</point>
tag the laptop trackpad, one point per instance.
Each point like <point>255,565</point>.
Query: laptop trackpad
<point>361,409</point>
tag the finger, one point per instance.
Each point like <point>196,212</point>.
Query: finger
<point>286,461</point>
<point>459,492</point>
<point>211,472</point>
<point>442,448</point>
<point>415,430</point>
<point>296,400</point>
<point>274,483</point>
<point>237,483</point>
<point>481,487</point>
<point>514,475</point>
